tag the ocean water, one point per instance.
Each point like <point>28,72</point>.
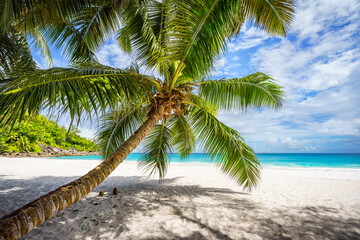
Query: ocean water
<point>321,160</point>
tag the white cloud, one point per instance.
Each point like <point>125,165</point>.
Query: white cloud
<point>249,37</point>
<point>224,67</point>
<point>112,55</point>
<point>86,132</point>
<point>314,17</point>
<point>220,63</point>
<point>59,62</point>
<point>41,62</point>
<point>290,143</point>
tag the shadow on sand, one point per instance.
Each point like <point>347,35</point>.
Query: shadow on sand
<point>210,213</point>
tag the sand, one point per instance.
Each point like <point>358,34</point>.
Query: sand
<point>195,201</point>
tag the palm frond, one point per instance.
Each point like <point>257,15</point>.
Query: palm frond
<point>255,90</point>
<point>183,138</point>
<point>78,91</point>
<point>9,10</point>
<point>40,43</point>
<point>237,20</point>
<point>78,27</point>
<point>117,126</point>
<point>157,146</point>
<point>274,16</point>
<point>15,54</point>
<point>226,147</point>
<point>199,102</point>
<point>70,39</point>
<point>198,31</point>
<point>143,31</point>
<point>97,23</point>
<point>31,14</point>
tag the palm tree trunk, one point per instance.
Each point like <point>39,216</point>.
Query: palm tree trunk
<point>24,219</point>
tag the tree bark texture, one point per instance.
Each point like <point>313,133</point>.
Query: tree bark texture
<point>24,219</point>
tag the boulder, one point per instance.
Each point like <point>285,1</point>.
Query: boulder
<point>56,150</point>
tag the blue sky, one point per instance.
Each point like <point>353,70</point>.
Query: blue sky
<point>318,64</point>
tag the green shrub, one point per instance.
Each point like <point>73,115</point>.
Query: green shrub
<point>27,135</point>
<point>35,148</point>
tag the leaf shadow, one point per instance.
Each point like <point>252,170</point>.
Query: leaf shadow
<point>204,213</point>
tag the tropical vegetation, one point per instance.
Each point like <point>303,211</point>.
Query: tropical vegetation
<point>32,133</point>
<point>179,41</point>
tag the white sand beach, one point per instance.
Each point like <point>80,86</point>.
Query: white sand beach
<point>195,201</point>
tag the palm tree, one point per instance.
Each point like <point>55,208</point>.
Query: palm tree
<point>180,40</point>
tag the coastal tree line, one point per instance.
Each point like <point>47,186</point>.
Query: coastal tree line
<point>33,133</point>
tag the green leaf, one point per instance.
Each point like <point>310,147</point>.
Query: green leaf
<point>143,33</point>
<point>79,91</point>
<point>197,33</point>
<point>275,16</point>
<point>226,147</point>
<point>71,40</point>
<point>78,27</point>
<point>183,138</point>
<point>255,90</point>
<point>97,23</point>
<point>40,43</point>
<point>202,103</point>
<point>15,54</point>
<point>117,126</point>
<point>156,147</point>
<point>30,14</point>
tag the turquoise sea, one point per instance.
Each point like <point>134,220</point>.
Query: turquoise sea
<point>266,159</point>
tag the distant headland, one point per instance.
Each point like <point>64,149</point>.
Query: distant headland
<point>41,137</point>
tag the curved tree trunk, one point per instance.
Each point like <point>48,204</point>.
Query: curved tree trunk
<point>23,220</point>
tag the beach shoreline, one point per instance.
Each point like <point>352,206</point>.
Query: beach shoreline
<point>194,201</point>
<point>63,153</point>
